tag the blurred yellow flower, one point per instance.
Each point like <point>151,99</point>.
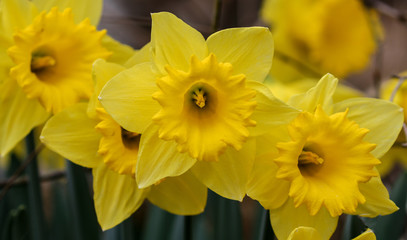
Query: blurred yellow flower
<point>309,233</point>
<point>197,102</point>
<point>87,135</point>
<point>325,35</point>
<point>323,162</point>
<point>47,52</point>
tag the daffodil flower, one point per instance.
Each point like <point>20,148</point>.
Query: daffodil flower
<point>398,153</point>
<point>88,136</point>
<point>323,162</point>
<point>197,103</point>
<point>309,233</point>
<point>312,32</point>
<point>46,55</point>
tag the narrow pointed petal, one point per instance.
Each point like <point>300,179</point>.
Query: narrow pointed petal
<point>287,218</point>
<point>229,175</point>
<point>321,94</point>
<point>377,199</point>
<point>270,112</point>
<point>366,235</point>
<point>174,42</point>
<point>18,115</point>
<point>81,9</point>
<point>249,50</point>
<point>102,72</point>
<point>159,159</point>
<point>116,196</point>
<point>121,53</point>
<point>15,15</point>
<point>127,97</point>
<point>72,134</point>
<point>263,186</point>
<point>140,56</point>
<point>383,118</point>
<point>182,195</point>
<point>304,233</point>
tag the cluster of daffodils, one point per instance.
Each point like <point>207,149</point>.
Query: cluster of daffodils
<point>184,114</point>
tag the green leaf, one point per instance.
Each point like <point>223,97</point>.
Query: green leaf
<point>35,209</point>
<point>353,227</point>
<point>15,227</point>
<point>84,217</point>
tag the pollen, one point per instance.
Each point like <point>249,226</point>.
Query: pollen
<point>39,63</point>
<point>308,157</point>
<point>325,161</point>
<point>199,97</point>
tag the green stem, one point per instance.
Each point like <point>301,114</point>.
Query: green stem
<point>84,216</point>
<point>265,230</point>
<point>217,15</point>
<point>36,213</point>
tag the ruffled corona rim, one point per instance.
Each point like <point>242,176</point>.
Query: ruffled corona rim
<point>118,147</point>
<point>325,162</point>
<point>53,59</point>
<point>206,109</point>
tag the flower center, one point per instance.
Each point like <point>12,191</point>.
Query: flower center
<point>118,147</point>
<point>131,140</point>
<point>40,63</point>
<point>206,109</point>
<point>53,59</point>
<point>199,97</point>
<point>325,162</point>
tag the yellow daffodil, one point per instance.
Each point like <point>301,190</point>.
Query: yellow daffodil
<point>398,153</point>
<point>46,54</point>
<point>311,32</point>
<point>197,103</point>
<point>87,135</point>
<point>309,233</point>
<point>323,162</point>
<point>284,90</point>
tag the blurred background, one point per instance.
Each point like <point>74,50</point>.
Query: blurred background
<point>68,207</point>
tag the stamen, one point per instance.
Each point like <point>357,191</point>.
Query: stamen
<point>307,157</point>
<point>199,97</point>
<point>130,139</point>
<point>41,62</point>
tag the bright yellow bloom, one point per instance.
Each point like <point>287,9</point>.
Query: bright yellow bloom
<point>312,32</point>
<point>309,233</point>
<point>197,103</point>
<point>51,46</point>
<point>398,153</point>
<point>323,162</point>
<point>87,135</point>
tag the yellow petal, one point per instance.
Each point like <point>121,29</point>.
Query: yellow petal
<point>15,15</point>
<point>174,42</point>
<point>229,175</point>
<point>102,72</point>
<point>18,115</point>
<point>116,196</point>
<point>377,199</point>
<point>366,235</point>
<point>72,134</point>
<point>321,94</point>
<point>249,50</point>
<point>121,53</point>
<point>287,218</point>
<point>182,195</point>
<point>263,186</point>
<point>127,97</point>
<point>140,56</point>
<point>304,233</point>
<point>80,9</point>
<point>159,159</point>
<point>383,118</point>
<point>270,112</point>
<point>390,158</point>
